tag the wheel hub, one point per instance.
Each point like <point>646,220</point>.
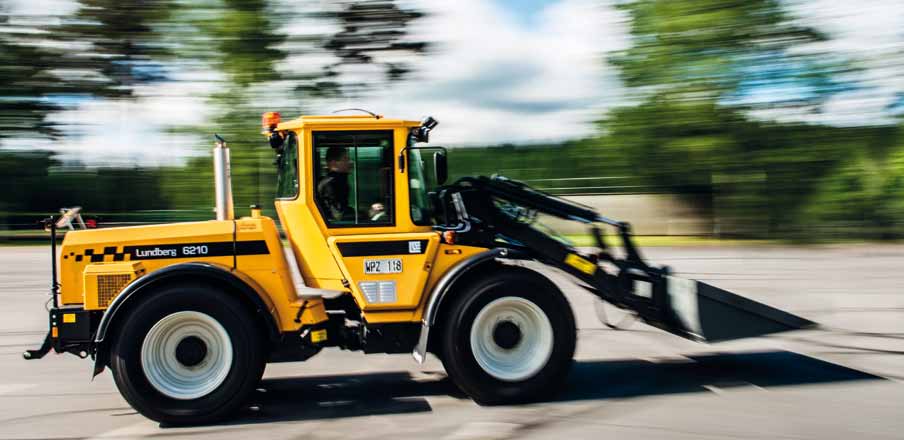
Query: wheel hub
<point>511,338</point>
<point>507,335</point>
<point>191,351</point>
<point>186,355</point>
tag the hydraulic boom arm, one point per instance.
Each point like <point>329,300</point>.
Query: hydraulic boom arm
<point>498,212</point>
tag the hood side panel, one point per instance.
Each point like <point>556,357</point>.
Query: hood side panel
<point>155,246</point>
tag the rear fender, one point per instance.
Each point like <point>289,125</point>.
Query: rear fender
<point>235,283</point>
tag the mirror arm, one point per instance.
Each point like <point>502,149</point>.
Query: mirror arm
<point>402,154</point>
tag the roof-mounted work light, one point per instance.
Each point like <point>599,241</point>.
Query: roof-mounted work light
<point>419,134</point>
<point>422,133</point>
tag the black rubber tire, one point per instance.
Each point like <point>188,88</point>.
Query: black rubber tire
<point>457,355</point>
<point>247,366</point>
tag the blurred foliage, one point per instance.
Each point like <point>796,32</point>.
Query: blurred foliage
<point>247,52</point>
<point>22,85</point>
<point>250,49</point>
<point>368,29</point>
<point>103,51</point>
<point>697,72</point>
<point>697,69</point>
<point>121,42</point>
<point>865,193</point>
<point>42,185</point>
<point>585,166</point>
<point>106,49</point>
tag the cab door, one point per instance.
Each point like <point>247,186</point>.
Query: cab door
<point>385,263</point>
<point>386,271</point>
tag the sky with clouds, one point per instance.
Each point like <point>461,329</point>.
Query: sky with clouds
<point>506,72</point>
<point>869,33</point>
<point>499,71</point>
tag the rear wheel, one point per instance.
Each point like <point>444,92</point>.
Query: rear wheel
<point>508,338</point>
<point>187,355</point>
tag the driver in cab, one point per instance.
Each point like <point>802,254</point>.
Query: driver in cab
<point>333,189</point>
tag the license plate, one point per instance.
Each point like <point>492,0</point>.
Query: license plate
<point>383,265</point>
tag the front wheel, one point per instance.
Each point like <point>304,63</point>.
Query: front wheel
<point>187,355</point>
<point>509,338</point>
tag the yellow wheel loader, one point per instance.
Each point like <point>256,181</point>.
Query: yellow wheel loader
<point>392,260</point>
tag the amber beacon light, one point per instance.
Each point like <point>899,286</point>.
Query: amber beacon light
<point>270,120</point>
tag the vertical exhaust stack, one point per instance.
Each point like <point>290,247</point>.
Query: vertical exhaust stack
<point>222,180</point>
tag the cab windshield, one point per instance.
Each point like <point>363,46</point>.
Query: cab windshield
<point>418,189</point>
<point>422,181</point>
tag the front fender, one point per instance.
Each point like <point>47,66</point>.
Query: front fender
<point>444,286</point>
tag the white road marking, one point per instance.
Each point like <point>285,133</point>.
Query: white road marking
<point>143,428</point>
<point>756,387</point>
<point>9,388</point>
<point>714,389</point>
<point>484,430</point>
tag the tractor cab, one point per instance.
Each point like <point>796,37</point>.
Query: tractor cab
<point>353,196</point>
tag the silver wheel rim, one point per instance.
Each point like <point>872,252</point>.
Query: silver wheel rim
<point>532,351</point>
<point>169,376</point>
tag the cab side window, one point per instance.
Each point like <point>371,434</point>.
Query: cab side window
<point>287,175</point>
<point>353,177</point>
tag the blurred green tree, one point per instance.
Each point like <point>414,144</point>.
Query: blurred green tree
<point>48,62</point>
<point>253,47</point>
<point>238,43</point>
<point>25,81</point>
<point>108,47</point>
<point>864,195</point>
<point>697,70</point>
<point>51,62</point>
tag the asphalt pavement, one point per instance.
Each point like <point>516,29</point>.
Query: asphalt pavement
<point>844,380</point>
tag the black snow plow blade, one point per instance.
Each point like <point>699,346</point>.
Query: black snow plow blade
<point>494,211</point>
<point>707,313</point>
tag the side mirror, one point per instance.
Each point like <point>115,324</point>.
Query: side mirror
<point>440,167</point>
<point>276,141</point>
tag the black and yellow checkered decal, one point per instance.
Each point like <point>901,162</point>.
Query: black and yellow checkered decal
<point>178,250</point>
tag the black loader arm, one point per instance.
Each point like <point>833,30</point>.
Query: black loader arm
<point>498,212</point>
<point>522,198</point>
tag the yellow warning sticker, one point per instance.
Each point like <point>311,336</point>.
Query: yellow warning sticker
<point>580,263</point>
<point>318,336</point>
<point>68,318</point>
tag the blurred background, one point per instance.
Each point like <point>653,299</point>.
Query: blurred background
<point>715,118</point>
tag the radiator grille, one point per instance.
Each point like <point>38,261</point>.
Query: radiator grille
<point>108,286</point>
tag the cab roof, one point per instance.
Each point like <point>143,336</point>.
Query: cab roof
<point>344,121</point>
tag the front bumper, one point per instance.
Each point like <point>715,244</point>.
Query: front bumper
<point>71,330</point>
